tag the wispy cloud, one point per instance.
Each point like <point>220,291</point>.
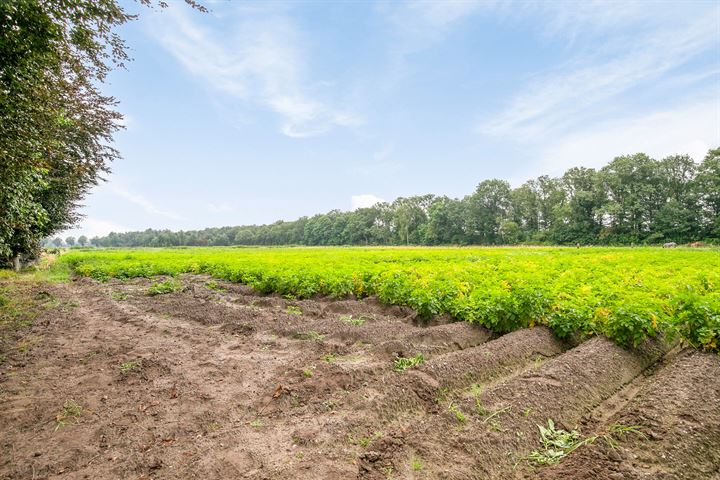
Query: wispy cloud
<point>263,63</point>
<point>364,201</point>
<point>144,203</point>
<point>564,97</point>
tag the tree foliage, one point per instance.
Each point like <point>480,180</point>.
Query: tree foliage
<point>632,200</point>
<point>56,126</point>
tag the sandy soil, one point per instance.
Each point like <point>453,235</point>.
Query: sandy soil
<point>220,382</point>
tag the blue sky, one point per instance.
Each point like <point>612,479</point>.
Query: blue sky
<point>259,111</point>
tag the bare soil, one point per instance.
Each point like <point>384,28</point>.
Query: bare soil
<point>215,381</point>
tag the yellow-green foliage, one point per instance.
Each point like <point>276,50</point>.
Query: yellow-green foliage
<point>627,294</point>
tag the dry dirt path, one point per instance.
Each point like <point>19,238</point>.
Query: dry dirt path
<point>217,382</point>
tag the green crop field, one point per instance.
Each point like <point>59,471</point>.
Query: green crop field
<point>626,294</point>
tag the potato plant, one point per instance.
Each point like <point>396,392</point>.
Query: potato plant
<point>626,294</point>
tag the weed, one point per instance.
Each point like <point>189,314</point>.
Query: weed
<point>496,413</point>
<point>556,444</point>
<point>161,288</point>
<point>416,464</point>
<point>442,395</point>
<point>526,412</point>
<point>619,429</point>
<point>213,285</point>
<point>401,363</point>
<point>311,335</point>
<point>480,408</point>
<point>71,411</point>
<point>256,423</point>
<point>496,426</point>
<point>116,295</point>
<point>476,390</point>
<point>363,441</point>
<point>329,357</point>
<point>293,310</point>
<point>128,367</point>
<point>459,415</point>
<point>356,321</point>
<point>308,372</point>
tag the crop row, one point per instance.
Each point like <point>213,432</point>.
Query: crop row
<point>625,294</point>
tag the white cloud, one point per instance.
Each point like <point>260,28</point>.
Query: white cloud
<point>263,63</point>
<point>144,203</point>
<point>364,201</point>
<point>693,129</point>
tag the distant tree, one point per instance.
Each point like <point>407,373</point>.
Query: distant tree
<point>509,232</point>
<point>70,241</point>
<point>707,188</point>
<point>487,208</point>
<point>58,242</point>
<point>82,241</point>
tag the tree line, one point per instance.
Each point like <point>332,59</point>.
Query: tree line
<point>634,199</point>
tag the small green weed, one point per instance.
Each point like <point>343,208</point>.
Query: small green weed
<point>356,321</point>
<point>117,295</point>
<point>308,372</point>
<point>329,357</point>
<point>416,464</point>
<point>293,310</point>
<point>213,285</point>
<point>401,363</point>
<point>128,367</point>
<point>363,441</point>
<point>557,444</point>
<point>459,415</point>
<point>311,335</point>
<point>619,429</point>
<point>71,411</point>
<point>161,288</point>
<point>256,423</point>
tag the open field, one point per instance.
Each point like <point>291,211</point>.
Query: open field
<point>213,380</point>
<point>138,376</point>
<point>625,294</point>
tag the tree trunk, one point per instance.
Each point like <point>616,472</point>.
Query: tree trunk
<point>16,262</point>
